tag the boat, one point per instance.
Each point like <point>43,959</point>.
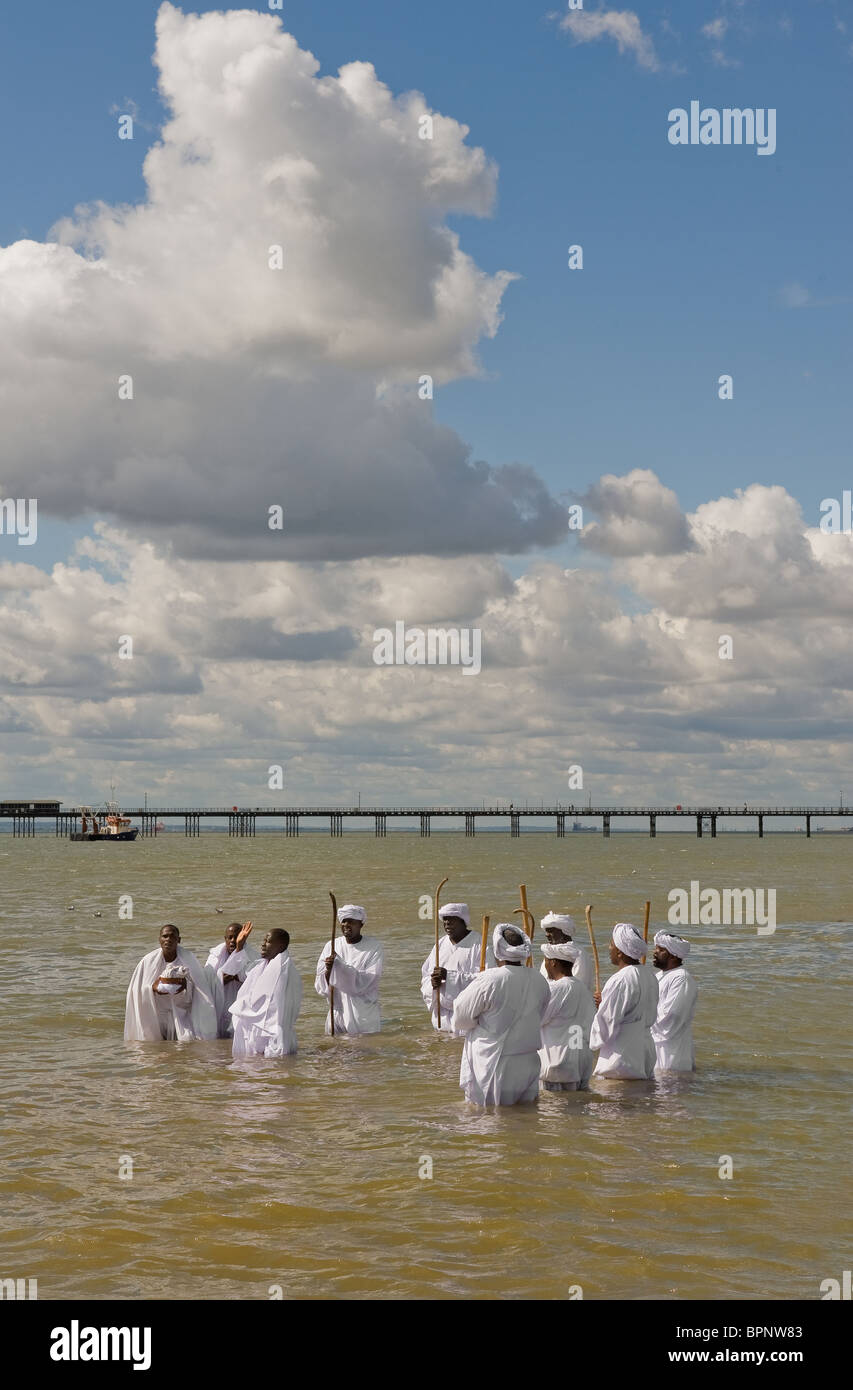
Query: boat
<point>113,826</point>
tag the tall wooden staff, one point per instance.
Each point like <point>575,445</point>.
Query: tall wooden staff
<point>594,950</point>
<point>528,917</point>
<point>331,986</point>
<point>484,942</point>
<point>646,926</point>
<point>438,991</point>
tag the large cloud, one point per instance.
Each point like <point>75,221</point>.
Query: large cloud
<point>255,386</point>
<point>242,666</point>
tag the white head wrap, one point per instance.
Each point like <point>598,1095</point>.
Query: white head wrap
<point>676,945</point>
<point>561,920</point>
<point>349,910</point>
<point>628,940</point>
<point>502,948</point>
<point>455,910</point>
<point>563,950</point>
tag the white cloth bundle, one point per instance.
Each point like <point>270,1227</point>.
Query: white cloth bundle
<point>502,948</point>
<point>173,972</point>
<point>676,945</point>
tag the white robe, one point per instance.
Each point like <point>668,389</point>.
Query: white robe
<point>629,1003</point>
<point>500,1014</point>
<point>355,979</point>
<point>462,964</point>
<point>672,1030</point>
<point>566,1056</point>
<point>151,1017</point>
<point>266,1009</point>
<point>583,970</point>
<point>220,962</point>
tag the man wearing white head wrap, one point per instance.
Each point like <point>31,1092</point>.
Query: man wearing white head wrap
<point>628,1009</point>
<point>566,1056</point>
<point>500,1013</point>
<point>354,973</point>
<point>672,1030</point>
<point>559,927</point>
<point>170,995</point>
<point>458,964</point>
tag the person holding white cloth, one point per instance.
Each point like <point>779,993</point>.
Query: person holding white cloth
<point>672,1030</point>
<point>170,997</point>
<point>629,1003</point>
<point>565,1054</point>
<point>500,1014</point>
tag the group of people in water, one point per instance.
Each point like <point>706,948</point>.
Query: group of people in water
<point>520,1027</point>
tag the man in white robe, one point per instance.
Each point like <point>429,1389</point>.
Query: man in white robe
<point>353,974</point>
<point>268,1002</point>
<point>458,964</point>
<point>170,996</point>
<point>500,1013</point>
<point>566,1055</point>
<point>227,964</point>
<point>672,1030</point>
<point>629,1003</point>
<point>559,928</point>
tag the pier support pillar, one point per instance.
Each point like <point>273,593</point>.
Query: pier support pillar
<point>606,827</point>
<point>713,827</point>
<point>425,829</point>
<point>514,827</point>
<point>808,827</point>
<point>336,823</point>
<point>653,827</point>
<point>761,827</point>
<point>699,827</point>
<point>379,822</point>
<point>561,827</point>
<point>191,826</point>
<point>469,824</point>
<point>291,824</point>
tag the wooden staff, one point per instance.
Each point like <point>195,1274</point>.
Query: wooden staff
<point>484,942</point>
<point>435,914</point>
<point>528,917</point>
<point>646,926</point>
<point>594,950</point>
<point>331,986</point>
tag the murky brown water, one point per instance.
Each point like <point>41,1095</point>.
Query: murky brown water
<point>304,1173</point>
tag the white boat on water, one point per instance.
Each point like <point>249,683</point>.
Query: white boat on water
<point>112,826</point>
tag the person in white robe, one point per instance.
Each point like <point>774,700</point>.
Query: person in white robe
<point>170,995</point>
<point>500,1014</point>
<point>559,927</point>
<point>353,973</point>
<point>458,964</point>
<point>268,1002</point>
<point>565,1054</point>
<point>672,1030</point>
<point>227,964</point>
<point>628,1008</point>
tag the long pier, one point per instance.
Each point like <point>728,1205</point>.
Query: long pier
<point>242,820</point>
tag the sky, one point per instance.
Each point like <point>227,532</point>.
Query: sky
<point>688,642</point>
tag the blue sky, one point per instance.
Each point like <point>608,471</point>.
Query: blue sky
<point>686,250</point>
